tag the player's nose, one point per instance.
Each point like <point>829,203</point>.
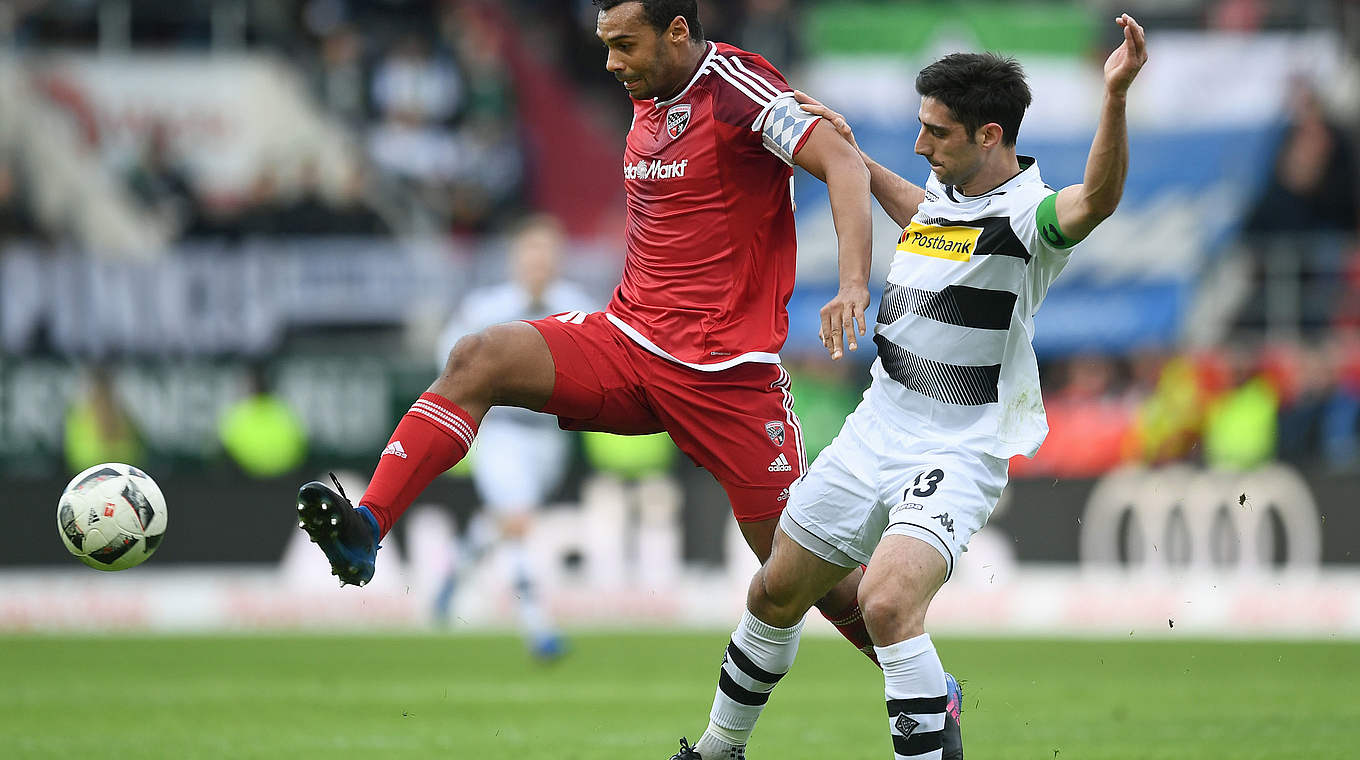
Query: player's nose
<point>922,149</point>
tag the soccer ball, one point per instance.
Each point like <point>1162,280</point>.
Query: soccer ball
<point>111,516</point>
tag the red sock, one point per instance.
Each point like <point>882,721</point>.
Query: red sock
<point>432,437</point>
<point>850,622</point>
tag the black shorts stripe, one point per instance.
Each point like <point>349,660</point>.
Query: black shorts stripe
<point>997,237</point>
<point>947,383</point>
<point>752,671</point>
<point>955,305</point>
<point>736,693</point>
<point>917,706</point>
<point>918,743</point>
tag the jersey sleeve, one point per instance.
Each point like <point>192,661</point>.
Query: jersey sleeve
<point>784,127</point>
<point>754,96</point>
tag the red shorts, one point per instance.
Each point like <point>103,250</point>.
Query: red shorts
<point>737,423</point>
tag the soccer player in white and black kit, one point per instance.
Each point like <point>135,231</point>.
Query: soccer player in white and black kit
<point>920,464</point>
<point>522,456</point>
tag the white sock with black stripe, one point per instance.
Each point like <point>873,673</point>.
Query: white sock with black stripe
<point>914,686</point>
<point>757,657</point>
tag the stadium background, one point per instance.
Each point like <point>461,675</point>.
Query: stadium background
<point>199,200</point>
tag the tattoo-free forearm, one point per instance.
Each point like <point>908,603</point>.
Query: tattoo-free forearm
<point>847,185</point>
<point>1108,162</point>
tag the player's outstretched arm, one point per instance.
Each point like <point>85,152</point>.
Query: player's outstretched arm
<point>1081,207</point>
<point>896,195</point>
<point>832,160</point>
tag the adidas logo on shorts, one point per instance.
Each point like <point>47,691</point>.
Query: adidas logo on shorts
<point>395,449</point>
<point>781,464</point>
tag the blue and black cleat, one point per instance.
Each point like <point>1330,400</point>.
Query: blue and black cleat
<point>348,536</point>
<point>952,738</point>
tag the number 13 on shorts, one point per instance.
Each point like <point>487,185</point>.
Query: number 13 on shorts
<point>932,481</point>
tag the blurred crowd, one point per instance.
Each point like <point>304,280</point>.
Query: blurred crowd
<point>1233,408</point>
<point>426,88</point>
<point>434,94</point>
<point>1283,381</point>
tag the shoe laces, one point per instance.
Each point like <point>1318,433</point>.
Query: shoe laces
<point>689,753</point>
<point>353,513</point>
<point>339,487</point>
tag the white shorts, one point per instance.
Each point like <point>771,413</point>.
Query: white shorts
<point>875,481</point>
<point>516,467</point>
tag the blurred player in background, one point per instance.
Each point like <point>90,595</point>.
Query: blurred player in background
<point>689,343</point>
<point>521,456</point>
<point>922,461</point>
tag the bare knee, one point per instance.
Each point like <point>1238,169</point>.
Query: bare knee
<point>474,370</point>
<point>467,360</point>
<point>515,525</point>
<point>891,615</point>
<point>775,602</point>
<point>507,364</point>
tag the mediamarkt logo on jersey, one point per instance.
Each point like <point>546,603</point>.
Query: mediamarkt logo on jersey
<point>655,169</point>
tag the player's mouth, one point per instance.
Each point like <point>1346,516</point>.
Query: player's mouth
<point>631,84</point>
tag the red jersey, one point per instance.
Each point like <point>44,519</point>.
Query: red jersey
<point>711,246</point>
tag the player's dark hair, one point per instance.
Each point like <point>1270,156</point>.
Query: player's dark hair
<point>978,89</point>
<point>660,13</point>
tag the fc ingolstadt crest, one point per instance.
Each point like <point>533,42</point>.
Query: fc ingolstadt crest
<point>677,119</point>
<point>775,430</point>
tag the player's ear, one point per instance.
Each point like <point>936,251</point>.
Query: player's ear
<point>678,31</point>
<point>990,135</point>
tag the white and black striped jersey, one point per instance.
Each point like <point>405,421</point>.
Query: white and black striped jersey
<point>956,319</point>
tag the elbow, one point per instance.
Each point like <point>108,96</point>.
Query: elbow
<point>1101,208</point>
<point>1112,204</point>
<point>849,177</point>
<point>852,163</point>
<point>1100,214</point>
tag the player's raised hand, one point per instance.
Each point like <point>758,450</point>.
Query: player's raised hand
<point>1127,59</point>
<point>817,108</point>
<point>841,317</point>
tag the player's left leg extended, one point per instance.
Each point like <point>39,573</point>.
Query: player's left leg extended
<point>509,364</point>
<point>902,578</point>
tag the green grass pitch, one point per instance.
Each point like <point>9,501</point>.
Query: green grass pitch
<point>630,696</point>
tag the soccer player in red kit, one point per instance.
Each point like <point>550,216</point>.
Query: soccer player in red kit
<point>690,342</point>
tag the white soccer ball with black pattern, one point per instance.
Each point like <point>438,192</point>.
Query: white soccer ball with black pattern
<point>112,516</point>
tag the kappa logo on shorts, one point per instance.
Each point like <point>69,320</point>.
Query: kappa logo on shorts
<point>775,430</point>
<point>945,520</point>
<point>780,464</point>
<point>677,119</point>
